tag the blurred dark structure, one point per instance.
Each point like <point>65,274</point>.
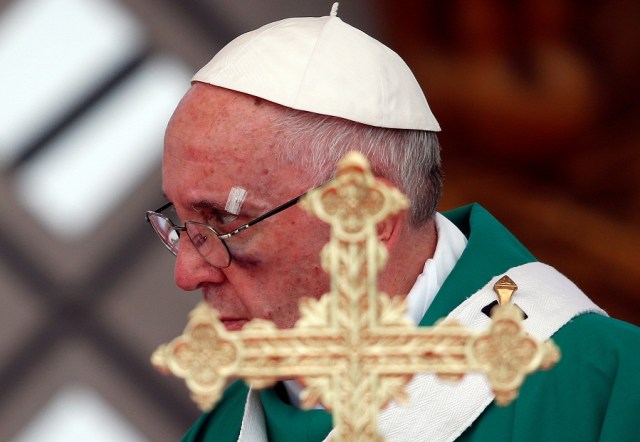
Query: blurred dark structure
<point>540,108</point>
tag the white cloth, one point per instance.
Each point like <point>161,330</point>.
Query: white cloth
<point>441,411</point>
<point>451,244</point>
<point>253,428</point>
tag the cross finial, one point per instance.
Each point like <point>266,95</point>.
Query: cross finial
<point>504,288</point>
<point>354,341</point>
<point>334,10</point>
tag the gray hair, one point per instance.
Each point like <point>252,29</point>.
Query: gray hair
<point>410,159</point>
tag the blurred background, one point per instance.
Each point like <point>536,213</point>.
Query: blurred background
<point>539,104</point>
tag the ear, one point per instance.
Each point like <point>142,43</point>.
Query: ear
<point>390,229</point>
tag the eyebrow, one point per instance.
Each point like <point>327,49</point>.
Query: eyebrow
<point>199,204</point>
<point>250,207</point>
<point>207,204</point>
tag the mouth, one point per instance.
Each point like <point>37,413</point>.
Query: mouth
<point>233,324</point>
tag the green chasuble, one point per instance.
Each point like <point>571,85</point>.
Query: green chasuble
<point>592,394</point>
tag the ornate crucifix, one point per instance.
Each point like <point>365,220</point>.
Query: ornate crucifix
<point>353,349</point>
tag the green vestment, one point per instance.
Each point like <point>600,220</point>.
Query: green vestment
<point>592,394</point>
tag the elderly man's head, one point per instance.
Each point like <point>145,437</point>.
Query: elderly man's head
<point>257,131</point>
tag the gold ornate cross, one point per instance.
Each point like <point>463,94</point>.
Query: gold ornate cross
<point>353,349</point>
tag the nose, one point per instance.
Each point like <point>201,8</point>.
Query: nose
<point>191,270</point>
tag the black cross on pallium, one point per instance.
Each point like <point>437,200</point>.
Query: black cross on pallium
<point>353,349</point>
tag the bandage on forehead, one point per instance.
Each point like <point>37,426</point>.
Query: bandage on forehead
<point>235,199</point>
<point>325,66</point>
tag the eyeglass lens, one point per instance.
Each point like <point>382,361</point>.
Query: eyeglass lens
<point>165,230</point>
<point>204,238</point>
<point>207,242</point>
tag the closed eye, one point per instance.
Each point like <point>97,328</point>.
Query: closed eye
<point>199,240</point>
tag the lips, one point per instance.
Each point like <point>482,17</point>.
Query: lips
<point>233,324</point>
<point>231,318</point>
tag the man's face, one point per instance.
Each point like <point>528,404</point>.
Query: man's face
<point>218,139</point>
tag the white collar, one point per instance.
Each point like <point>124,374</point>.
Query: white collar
<point>451,244</point>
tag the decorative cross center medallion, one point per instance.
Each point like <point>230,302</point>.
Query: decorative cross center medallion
<point>353,348</point>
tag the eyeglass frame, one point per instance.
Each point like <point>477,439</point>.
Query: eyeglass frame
<point>221,236</point>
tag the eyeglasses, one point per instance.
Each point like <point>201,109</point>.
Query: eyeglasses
<point>208,241</point>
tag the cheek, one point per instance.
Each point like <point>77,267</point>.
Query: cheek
<point>295,266</point>
<point>283,306</point>
<point>301,249</point>
<point>302,271</point>
<point>287,271</point>
<point>297,230</point>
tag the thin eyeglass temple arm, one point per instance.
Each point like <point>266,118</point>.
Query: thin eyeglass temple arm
<point>280,208</point>
<point>264,216</point>
<point>256,220</point>
<point>166,206</point>
<point>271,212</point>
<point>245,226</point>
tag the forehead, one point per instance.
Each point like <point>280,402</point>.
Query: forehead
<point>211,120</point>
<point>218,139</point>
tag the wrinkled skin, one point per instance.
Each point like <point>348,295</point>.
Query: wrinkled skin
<point>218,139</point>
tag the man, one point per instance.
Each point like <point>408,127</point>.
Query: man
<point>266,120</point>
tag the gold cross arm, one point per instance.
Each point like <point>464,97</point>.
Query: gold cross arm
<point>353,349</point>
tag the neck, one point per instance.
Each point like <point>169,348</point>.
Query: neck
<point>407,257</point>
